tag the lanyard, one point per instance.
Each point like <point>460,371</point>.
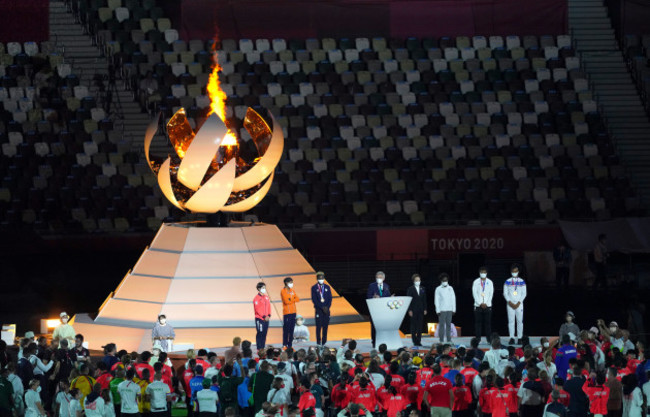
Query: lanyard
<point>483,282</point>
<point>320,290</point>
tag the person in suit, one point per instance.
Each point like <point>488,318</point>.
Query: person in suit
<point>377,289</point>
<point>321,297</point>
<point>417,309</point>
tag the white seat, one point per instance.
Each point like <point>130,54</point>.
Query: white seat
<point>25,104</point>
<point>253,56</point>
<point>581,128</point>
<point>335,55</point>
<point>306,89</point>
<point>31,48</point>
<point>273,89</point>
<point>20,116</point>
<point>122,14</point>
<point>543,74</point>
<point>410,206</point>
<point>571,63</point>
<point>313,132</point>
<point>540,194</point>
<point>446,108</point>
<point>379,131</point>
<point>279,45</point>
<point>452,120</point>
<point>409,152</point>
<point>83,159</point>
<point>412,76</point>
<point>296,155</point>
<point>531,85</point>
<point>451,53</point>
<point>393,206</point>
<point>351,55</point>
<point>15,138</point>
<point>408,98</point>
<point>530,118</point>
<point>9,149</point>
<point>513,129</point>
<point>402,87</point>
<point>11,105</point>
<point>178,90</point>
<point>246,45</point>
<point>390,65</point>
<point>41,148</point>
<point>362,43</point>
<point>30,92</point>
<point>16,92</point>
<point>436,142</point>
<point>564,41</point>
<point>14,48</point>
<point>479,42</point>
<point>541,107</point>
<point>90,148</point>
<point>297,100</point>
<point>466,86</point>
<point>404,120</point>
<point>589,106</point>
<point>358,120</point>
<point>346,132</point>
<point>515,117</point>
<point>559,74</point>
<point>496,42</point>
<point>171,35</point>
<point>551,52</point>
<point>483,119</point>
<point>519,172</point>
<point>501,140</point>
<point>178,68</point>
<point>319,165</point>
<point>420,119</point>
<point>353,143</point>
<point>109,169</point>
<point>439,64</point>
<point>552,139</point>
<point>492,107</point>
<point>580,85</point>
<point>202,101</point>
<point>512,41</point>
<point>262,45</point>
<point>320,110</point>
<point>276,67</point>
<point>292,67</point>
<point>545,161</point>
<point>467,53</point>
<point>376,153</point>
<point>80,91</point>
<point>458,152</point>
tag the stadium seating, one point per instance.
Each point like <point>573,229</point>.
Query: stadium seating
<point>637,53</point>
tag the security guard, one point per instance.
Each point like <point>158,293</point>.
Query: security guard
<point>514,291</point>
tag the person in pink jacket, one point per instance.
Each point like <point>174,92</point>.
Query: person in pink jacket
<point>262,305</point>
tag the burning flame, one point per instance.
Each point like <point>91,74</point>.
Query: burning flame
<point>218,101</point>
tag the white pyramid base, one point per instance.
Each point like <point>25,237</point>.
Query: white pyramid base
<point>203,279</point>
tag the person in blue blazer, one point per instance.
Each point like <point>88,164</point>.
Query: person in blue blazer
<point>377,289</point>
<point>321,297</point>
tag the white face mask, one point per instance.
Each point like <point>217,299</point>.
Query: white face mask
<point>163,321</point>
<point>299,322</point>
<point>416,283</point>
<point>546,344</point>
<point>444,283</point>
<point>290,285</point>
<point>64,320</point>
<point>515,274</point>
<point>613,329</point>
<point>263,290</point>
<point>483,274</point>
<point>321,281</point>
<point>380,281</point>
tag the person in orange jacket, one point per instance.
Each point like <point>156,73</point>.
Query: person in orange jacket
<point>289,300</point>
<point>262,305</point>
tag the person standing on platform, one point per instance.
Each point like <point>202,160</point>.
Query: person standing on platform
<point>417,309</point>
<point>321,297</point>
<point>163,333</point>
<point>64,330</point>
<point>377,289</point>
<point>483,291</point>
<point>445,301</point>
<point>289,300</point>
<point>514,291</point>
<point>262,305</point>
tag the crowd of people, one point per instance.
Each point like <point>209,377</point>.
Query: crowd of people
<point>582,372</point>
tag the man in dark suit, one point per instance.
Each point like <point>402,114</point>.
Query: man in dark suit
<point>321,297</point>
<point>417,309</point>
<point>377,289</point>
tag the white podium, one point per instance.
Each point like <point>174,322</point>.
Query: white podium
<point>387,314</point>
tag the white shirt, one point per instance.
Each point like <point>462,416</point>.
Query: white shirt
<point>483,292</point>
<point>109,410</point>
<point>207,400</point>
<point>280,397</point>
<point>39,367</point>
<point>492,357</point>
<point>514,290</point>
<point>288,383</point>
<point>377,379</point>
<point>158,391</point>
<point>128,391</point>
<point>551,369</point>
<point>445,299</point>
<point>633,404</point>
<point>31,398</point>
<point>64,401</point>
<point>301,333</point>
<point>210,372</point>
<point>95,408</point>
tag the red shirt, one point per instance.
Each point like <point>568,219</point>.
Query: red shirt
<point>484,402</point>
<point>423,376</point>
<point>140,366</point>
<point>104,380</point>
<point>598,397</point>
<point>411,394</point>
<point>514,403</point>
<point>395,404</point>
<point>621,373</point>
<point>462,398</point>
<point>187,375</point>
<point>307,400</point>
<point>438,389</point>
<point>352,370</point>
<point>632,364</point>
<point>382,397</point>
<point>367,397</point>
<point>500,402</point>
<point>262,306</point>
<point>115,365</point>
<point>385,367</point>
<point>397,382</point>
<point>564,399</point>
<point>469,373</point>
<point>341,396</point>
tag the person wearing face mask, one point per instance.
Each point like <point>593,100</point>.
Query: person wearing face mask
<point>300,332</point>
<point>569,326</point>
<point>289,300</point>
<point>262,306</point>
<point>482,291</point>
<point>514,291</point>
<point>445,301</point>
<point>377,289</point>
<point>321,297</point>
<point>417,309</point>
<point>163,333</point>
<point>64,330</point>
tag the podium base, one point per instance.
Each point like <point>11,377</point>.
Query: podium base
<point>391,338</point>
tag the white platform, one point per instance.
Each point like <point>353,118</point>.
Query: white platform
<point>203,279</point>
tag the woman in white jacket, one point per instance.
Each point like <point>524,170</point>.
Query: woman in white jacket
<point>445,302</point>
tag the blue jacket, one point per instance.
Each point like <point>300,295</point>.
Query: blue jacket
<point>562,357</point>
<point>373,289</point>
<point>327,296</point>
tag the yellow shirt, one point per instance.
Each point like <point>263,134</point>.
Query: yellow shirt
<point>144,406</point>
<point>84,384</point>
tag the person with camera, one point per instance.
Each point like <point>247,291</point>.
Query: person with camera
<point>353,410</point>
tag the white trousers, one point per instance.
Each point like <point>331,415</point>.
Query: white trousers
<point>518,315</point>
